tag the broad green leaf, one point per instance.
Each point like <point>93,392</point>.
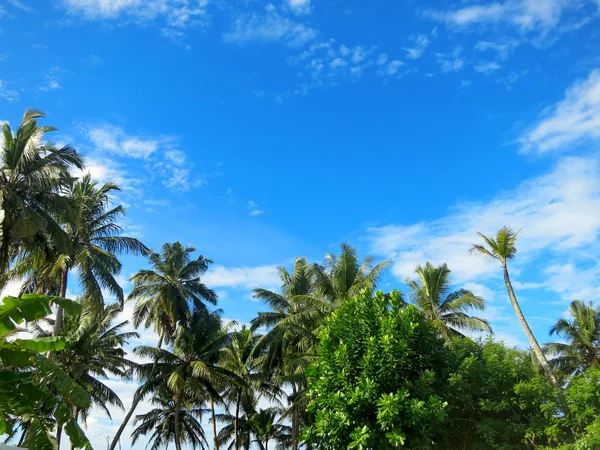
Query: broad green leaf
<point>42,345</point>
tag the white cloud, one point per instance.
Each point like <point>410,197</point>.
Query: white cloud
<point>502,49</point>
<point>266,277</point>
<point>525,15</point>
<point>270,27</point>
<point>546,208</point>
<point>421,42</point>
<point>453,62</point>
<point>253,208</point>
<point>300,6</point>
<point>114,140</point>
<point>572,121</point>
<point>7,94</point>
<point>487,68</point>
<point>22,6</point>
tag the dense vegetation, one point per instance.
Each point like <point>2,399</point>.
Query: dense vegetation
<point>338,364</point>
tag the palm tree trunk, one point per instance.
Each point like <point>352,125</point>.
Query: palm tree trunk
<point>236,421</point>
<point>177,425</point>
<point>76,416</point>
<point>214,422</point>
<point>295,424</point>
<point>60,313</point>
<point>59,429</point>
<point>537,350</point>
<point>137,398</point>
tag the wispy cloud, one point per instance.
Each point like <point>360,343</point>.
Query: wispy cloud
<point>242,277</point>
<point>7,93</point>
<point>300,6</point>
<point>270,26</point>
<point>254,209</point>
<point>115,140</point>
<point>420,42</point>
<point>22,6</point>
<point>453,62</point>
<point>572,121</point>
<point>487,67</point>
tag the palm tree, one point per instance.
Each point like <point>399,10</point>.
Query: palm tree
<point>242,358</point>
<point>32,175</point>
<point>93,239</point>
<point>266,428</point>
<point>95,352</point>
<point>166,297</point>
<point>447,310</point>
<point>342,277</point>
<point>296,315</point>
<point>191,370</point>
<point>502,248</point>
<point>161,420</point>
<point>172,292</point>
<point>582,335</point>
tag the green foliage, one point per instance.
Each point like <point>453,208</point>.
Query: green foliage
<point>32,385</point>
<point>379,380</point>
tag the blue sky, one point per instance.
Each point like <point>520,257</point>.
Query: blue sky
<point>259,131</point>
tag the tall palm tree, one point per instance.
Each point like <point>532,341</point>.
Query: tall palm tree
<point>582,335</point>
<point>447,310</point>
<point>290,342</point>
<point>502,249</point>
<point>166,297</point>
<point>242,358</point>
<point>93,239</point>
<point>160,421</point>
<point>33,173</point>
<point>191,370</point>
<point>342,277</point>
<point>169,294</point>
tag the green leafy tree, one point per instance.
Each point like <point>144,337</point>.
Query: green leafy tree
<point>167,296</point>
<point>380,377</point>
<point>33,172</point>
<point>502,248</point>
<point>448,311</point>
<point>160,423</point>
<point>582,335</point>
<point>35,392</point>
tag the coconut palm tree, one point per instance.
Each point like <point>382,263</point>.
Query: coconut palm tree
<point>342,277</point>
<point>190,370</point>
<point>93,239</point>
<point>446,309</point>
<point>582,335</point>
<point>502,248</point>
<point>242,358</point>
<point>266,428</point>
<point>169,294</point>
<point>167,297</point>
<point>33,173</point>
<point>290,342</point>
<point>161,422</point>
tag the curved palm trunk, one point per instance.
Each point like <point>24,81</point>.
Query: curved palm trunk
<point>177,424</point>
<point>58,435</point>
<point>60,313</point>
<point>76,415</point>
<point>537,350</point>
<point>137,398</point>
<point>214,422</point>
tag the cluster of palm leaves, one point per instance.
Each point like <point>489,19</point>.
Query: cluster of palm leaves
<point>248,382</point>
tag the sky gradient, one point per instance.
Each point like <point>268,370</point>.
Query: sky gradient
<point>260,131</point>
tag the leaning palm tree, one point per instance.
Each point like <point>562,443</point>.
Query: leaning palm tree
<point>93,239</point>
<point>167,297</point>
<point>582,335</point>
<point>190,370</point>
<point>296,315</point>
<point>340,278</point>
<point>447,310</point>
<point>161,423</point>
<point>502,249</point>
<point>32,175</point>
